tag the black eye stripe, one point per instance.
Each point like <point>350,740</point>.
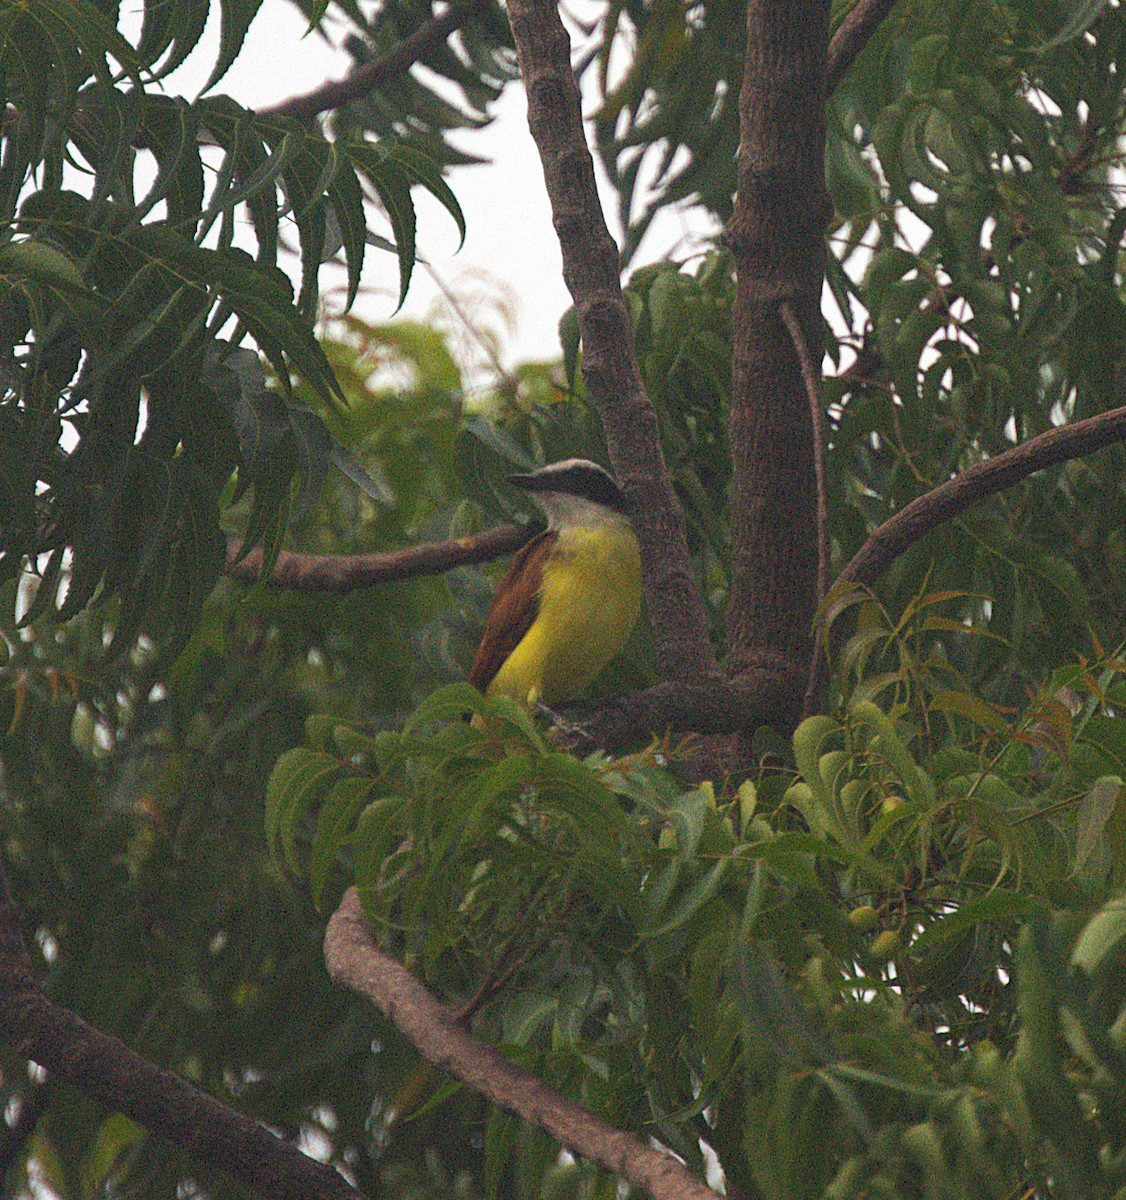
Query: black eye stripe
<point>580,479</point>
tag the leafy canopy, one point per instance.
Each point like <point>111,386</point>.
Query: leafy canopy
<point>127,287</point>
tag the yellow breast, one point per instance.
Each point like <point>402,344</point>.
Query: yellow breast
<point>589,603</point>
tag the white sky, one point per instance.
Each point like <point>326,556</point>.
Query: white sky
<point>510,237</point>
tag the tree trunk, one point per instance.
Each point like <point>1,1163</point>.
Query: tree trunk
<point>777,236</point>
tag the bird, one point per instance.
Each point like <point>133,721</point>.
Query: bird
<point>571,595</point>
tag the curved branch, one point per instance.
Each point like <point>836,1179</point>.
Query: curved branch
<point>104,1068</point>
<point>591,266</point>
<point>900,532</point>
<point>367,77</point>
<point>346,572</point>
<point>852,36</point>
<point>355,961</point>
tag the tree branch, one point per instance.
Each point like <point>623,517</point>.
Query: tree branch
<point>758,697</point>
<point>104,1068</point>
<point>367,77</point>
<point>811,378</point>
<point>852,36</point>
<point>346,572</point>
<point>924,514</point>
<point>355,961</point>
<point>591,268</point>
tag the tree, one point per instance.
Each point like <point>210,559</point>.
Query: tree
<point>875,951</point>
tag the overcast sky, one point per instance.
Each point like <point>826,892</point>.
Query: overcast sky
<point>510,237</point>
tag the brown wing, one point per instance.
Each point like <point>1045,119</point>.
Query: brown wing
<point>513,610</point>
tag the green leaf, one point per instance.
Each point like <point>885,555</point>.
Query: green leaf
<point>997,905</point>
<point>691,902</point>
<point>299,779</point>
<point>237,16</point>
<point>1094,812</point>
<point>1100,936</point>
<point>335,821</point>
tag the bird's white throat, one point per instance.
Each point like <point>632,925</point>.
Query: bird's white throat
<point>564,511</point>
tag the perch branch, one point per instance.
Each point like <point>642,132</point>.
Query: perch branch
<point>367,77</point>
<point>346,572</point>
<point>811,379</point>
<point>760,696</point>
<point>852,36</point>
<point>591,267</point>
<point>355,961</point>
<point>105,1069</point>
<point>924,514</point>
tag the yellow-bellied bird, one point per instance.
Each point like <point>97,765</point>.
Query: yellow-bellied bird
<point>571,595</point>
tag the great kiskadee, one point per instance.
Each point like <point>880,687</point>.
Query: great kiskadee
<point>571,595</point>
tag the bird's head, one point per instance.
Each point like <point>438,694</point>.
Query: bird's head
<point>574,492</point>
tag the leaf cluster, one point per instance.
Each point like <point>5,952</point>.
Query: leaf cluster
<point>819,975</point>
<point>126,291</point>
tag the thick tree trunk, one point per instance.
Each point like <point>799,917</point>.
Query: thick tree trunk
<point>777,236</point>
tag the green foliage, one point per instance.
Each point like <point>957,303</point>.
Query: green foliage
<point>880,968</point>
<point>888,964</point>
<point>408,108</point>
<point>971,163</point>
<point>127,406</point>
<point>1038,571</point>
<point>131,787</point>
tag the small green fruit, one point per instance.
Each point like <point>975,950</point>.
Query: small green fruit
<point>863,918</point>
<point>886,945</point>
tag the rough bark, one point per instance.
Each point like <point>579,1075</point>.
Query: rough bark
<point>777,237</point>
<point>591,270</point>
<point>758,697</point>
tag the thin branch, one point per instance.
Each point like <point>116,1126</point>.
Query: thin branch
<point>366,78</point>
<point>914,522</point>
<point>811,379</point>
<point>346,572</point>
<point>355,961</point>
<point>852,36</point>
<point>591,266</point>
<point>105,1069</point>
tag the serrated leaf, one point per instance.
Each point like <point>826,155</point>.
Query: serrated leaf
<point>237,16</point>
